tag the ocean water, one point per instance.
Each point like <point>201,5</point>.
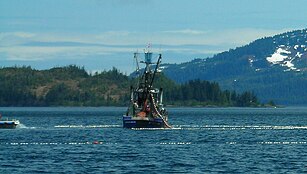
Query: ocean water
<point>202,140</point>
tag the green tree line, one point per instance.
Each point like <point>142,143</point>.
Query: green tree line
<point>204,93</point>
<point>73,86</point>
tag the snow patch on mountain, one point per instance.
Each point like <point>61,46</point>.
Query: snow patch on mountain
<point>279,56</point>
<point>251,60</point>
<point>298,54</point>
<point>290,65</point>
<point>286,56</point>
<point>296,46</point>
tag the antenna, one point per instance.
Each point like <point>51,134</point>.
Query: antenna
<point>148,47</point>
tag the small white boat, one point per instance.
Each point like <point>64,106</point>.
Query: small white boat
<point>9,124</point>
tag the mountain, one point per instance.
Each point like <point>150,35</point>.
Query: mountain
<point>61,86</point>
<point>274,68</point>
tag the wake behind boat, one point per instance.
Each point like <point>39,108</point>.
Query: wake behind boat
<point>146,109</point>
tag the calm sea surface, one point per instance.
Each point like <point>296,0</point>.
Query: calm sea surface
<point>210,140</point>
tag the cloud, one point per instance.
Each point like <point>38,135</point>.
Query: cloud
<point>224,37</point>
<point>239,37</point>
<point>14,38</point>
<point>186,31</point>
<point>17,34</point>
<point>186,43</point>
<point>32,53</point>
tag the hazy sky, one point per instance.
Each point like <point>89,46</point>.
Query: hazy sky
<point>100,34</point>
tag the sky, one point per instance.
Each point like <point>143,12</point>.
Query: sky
<point>101,34</point>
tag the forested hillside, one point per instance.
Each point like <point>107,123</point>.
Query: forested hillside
<point>61,86</point>
<point>73,86</point>
<point>272,67</point>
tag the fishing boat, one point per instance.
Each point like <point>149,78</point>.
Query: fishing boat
<point>8,124</point>
<point>145,108</point>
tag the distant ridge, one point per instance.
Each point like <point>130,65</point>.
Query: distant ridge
<point>273,67</point>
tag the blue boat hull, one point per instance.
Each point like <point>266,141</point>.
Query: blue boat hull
<point>7,125</point>
<point>129,122</point>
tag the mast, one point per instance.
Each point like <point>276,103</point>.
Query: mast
<point>157,66</point>
<point>136,55</point>
<point>147,74</point>
<point>148,57</point>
